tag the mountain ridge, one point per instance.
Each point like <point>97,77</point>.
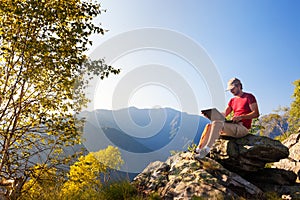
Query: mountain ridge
<point>142,134</point>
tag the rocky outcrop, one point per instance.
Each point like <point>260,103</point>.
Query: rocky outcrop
<point>234,169</point>
<point>250,153</point>
<point>292,162</point>
<point>271,176</point>
<point>183,177</point>
<point>252,157</point>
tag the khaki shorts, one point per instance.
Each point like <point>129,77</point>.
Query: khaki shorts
<point>234,130</point>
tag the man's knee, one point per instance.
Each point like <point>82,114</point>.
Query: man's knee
<point>217,123</point>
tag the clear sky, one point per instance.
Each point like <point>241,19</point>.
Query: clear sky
<point>257,41</point>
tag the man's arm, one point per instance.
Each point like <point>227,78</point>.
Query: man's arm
<point>253,114</point>
<point>228,110</point>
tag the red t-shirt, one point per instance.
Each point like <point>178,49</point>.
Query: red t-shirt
<point>241,106</point>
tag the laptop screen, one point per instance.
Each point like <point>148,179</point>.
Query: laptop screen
<point>213,114</point>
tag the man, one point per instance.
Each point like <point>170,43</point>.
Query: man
<point>244,107</point>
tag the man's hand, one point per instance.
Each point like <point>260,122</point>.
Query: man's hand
<point>237,118</point>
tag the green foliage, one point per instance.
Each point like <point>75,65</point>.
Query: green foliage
<point>230,115</point>
<point>109,157</point>
<point>256,126</point>
<point>84,176</point>
<point>268,165</point>
<point>197,198</point>
<point>280,118</point>
<point>294,114</point>
<point>276,121</point>
<point>44,183</point>
<point>42,62</point>
<point>124,190</point>
<point>283,114</point>
<point>154,196</point>
<point>272,196</point>
<point>119,190</point>
<point>82,181</point>
<point>192,147</point>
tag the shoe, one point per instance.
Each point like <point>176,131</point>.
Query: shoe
<point>197,150</point>
<point>202,153</point>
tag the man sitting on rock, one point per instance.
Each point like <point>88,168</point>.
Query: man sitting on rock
<point>244,107</point>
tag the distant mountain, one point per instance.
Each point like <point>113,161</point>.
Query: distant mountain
<point>142,135</point>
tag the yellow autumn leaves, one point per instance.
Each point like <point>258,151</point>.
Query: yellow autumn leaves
<point>83,181</point>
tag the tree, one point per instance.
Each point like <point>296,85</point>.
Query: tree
<point>285,120</point>
<point>274,124</point>
<point>42,62</point>
<point>294,114</point>
<point>84,176</point>
<point>43,183</point>
<point>110,158</point>
<point>82,182</point>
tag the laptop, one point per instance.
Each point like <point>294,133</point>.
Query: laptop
<point>213,114</point>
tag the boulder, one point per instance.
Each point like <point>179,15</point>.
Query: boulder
<point>183,177</point>
<point>293,161</point>
<point>235,168</point>
<point>247,154</point>
<point>271,176</point>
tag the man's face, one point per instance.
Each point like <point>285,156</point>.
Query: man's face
<point>236,90</point>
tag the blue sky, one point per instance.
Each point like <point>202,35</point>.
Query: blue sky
<point>257,41</point>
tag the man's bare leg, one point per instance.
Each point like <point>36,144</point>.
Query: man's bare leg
<point>209,139</point>
<point>216,128</point>
<point>204,136</point>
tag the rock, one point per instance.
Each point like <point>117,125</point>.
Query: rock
<point>243,176</point>
<point>271,176</point>
<point>248,154</point>
<point>293,161</point>
<point>283,191</point>
<point>183,177</point>
<point>154,173</point>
